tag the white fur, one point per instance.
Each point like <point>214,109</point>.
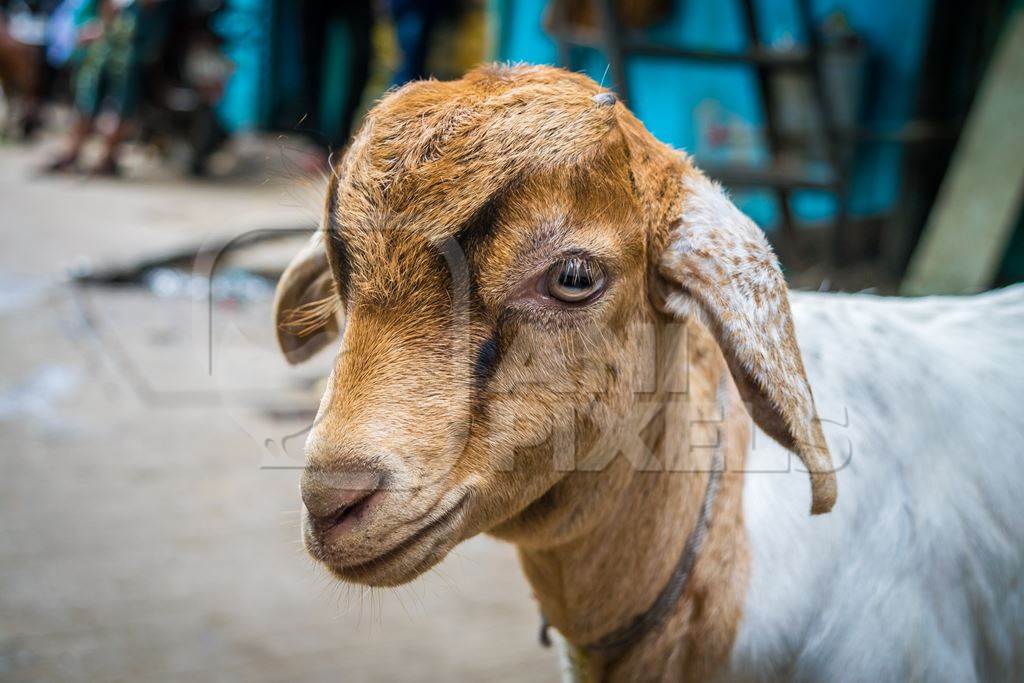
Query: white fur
<point>916,574</point>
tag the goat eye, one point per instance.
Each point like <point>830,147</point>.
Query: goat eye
<point>574,280</point>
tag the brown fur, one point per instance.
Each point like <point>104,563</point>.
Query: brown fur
<point>587,442</point>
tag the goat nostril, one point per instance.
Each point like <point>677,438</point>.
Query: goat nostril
<point>346,511</point>
<point>332,497</point>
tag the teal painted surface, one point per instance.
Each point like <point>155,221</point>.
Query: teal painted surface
<point>682,102</point>
<point>243,24</point>
<point>335,79</point>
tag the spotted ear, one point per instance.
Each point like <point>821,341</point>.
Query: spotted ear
<point>718,265</point>
<point>306,305</point>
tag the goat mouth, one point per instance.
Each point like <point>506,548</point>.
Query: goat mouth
<point>403,556</point>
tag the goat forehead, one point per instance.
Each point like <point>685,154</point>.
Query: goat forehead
<point>522,105</point>
<point>436,152</point>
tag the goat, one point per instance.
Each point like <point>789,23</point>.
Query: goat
<point>556,330</point>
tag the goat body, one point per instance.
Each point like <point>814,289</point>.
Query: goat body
<point>917,573</point>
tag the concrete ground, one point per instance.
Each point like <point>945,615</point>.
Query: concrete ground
<point>149,503</point>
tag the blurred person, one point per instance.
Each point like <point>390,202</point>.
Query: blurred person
<point>183,84</point>
<point>415,25</point>
<point>115,38</point>
<point>62,33</point>
<point>337,50</point>
<point>24,73</point>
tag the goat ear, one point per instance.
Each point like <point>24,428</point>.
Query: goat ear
<point>306,304</point>
<point>718,265</point>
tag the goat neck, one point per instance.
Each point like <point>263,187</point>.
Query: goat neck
<point>600,546</point>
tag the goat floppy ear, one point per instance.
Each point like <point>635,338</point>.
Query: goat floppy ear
<point>306,304</point>
<point>718,265</point>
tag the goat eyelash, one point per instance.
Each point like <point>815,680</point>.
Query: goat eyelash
<point>578,270</point>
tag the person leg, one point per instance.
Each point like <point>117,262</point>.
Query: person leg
<point>124,72</point>
<point>79,135</point>
<point>32,115</point>
<point>87,91</point>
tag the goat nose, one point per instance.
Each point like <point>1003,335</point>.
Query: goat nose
<point>333,495</point>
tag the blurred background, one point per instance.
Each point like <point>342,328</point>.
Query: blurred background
<point>160,162</point>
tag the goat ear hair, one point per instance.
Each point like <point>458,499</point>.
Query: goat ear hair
<point>306,304</point>
<point>718,266</point>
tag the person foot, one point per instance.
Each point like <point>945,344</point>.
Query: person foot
<point>107,168</point>
<point>62,164</point>
<point>30,125</point>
